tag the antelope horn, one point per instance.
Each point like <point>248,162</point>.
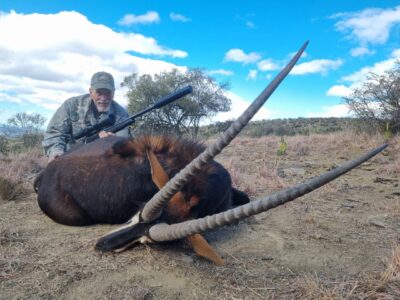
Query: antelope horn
<point>153,209</point>
<point>164,232</point>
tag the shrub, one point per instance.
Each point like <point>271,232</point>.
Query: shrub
<point>282,147</point>
<point>9,190</point>
<point>17,172</point>
<point>31,140</point>
<point>4,145</point>
<point>388,132</point>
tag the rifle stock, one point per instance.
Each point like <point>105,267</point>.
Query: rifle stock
<point>94,134</point>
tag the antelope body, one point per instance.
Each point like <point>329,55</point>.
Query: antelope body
<point>109,180</point>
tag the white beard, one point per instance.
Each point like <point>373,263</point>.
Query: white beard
<point>103,109</point>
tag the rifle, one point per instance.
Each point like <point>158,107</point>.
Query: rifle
<point>92,132</point>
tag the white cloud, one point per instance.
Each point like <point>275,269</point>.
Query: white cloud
<point>395,54</point>
<point>246,19</point>
<point>338,111</point>
<point>239,105</point>
<point>252,75</point>
<point>70,32</point>
<point>9,98</point>
<point>179,18</point>
<point>378,68</point>
<point>321,66</point>
<point>148,18</point>
<point>220,72</point>
<point>268,65</point>
<point>339,91</point>
<point>237,55</point>
<point>291,54</point>
<point>369,26</point>
<point>47,58</point>
<point>250,25</point>
<point>361,51</point>
<point>355,79</point>
<point>146,45</point>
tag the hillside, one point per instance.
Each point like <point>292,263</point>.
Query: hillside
<point>10,130</point>
<point>286,127</point>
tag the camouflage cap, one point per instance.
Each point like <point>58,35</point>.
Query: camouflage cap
<point>102,80</point>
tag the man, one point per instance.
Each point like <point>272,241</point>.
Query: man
<point>81,112</point>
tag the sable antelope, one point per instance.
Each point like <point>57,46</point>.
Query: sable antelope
<point>72,190</point>
<point>111,180</point>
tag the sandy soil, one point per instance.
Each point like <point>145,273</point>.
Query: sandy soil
<point>332,242</point>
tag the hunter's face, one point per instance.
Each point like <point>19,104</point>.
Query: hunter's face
<point>102,99</point>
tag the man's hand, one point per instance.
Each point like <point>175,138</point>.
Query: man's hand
<point>103,134</point>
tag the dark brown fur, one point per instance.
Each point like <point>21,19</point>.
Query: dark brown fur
<point>109,180</point>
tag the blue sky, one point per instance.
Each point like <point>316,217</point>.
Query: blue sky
<point>50,49</point>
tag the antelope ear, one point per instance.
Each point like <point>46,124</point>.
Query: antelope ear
<point>202,248</point>
<point>124,148</point>
<point>158,174</point>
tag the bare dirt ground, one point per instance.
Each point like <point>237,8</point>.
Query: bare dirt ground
<point>340,242</point>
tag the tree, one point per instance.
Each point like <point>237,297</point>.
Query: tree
<point>377,101</point>
<point>183,116</point>
<point>29,123</point>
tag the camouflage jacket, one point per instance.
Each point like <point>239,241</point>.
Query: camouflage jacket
<point>74,115</point>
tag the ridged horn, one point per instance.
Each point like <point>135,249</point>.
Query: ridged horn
<point>165,232</point>
<point>153,208</point>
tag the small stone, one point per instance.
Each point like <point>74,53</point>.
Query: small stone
<point>186,259</point>
<point>377,223</point>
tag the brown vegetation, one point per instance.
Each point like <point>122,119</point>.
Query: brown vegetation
<point>340,242</point>
<point>16,172</point>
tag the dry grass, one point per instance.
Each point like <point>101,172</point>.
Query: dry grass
<point>265,171</point>
<point>135,293</point>
<point>9,262</point>
<point>256,276</point>
<point>392,167</point>
<point>17,172</point>
<point>10,190</point>
<point>392,272</point>
<point>263,176</point>
<point>384,285</point>
<point>394,207</point>
<point>313,287</point>
<point>330,143</point>
<point>337,147</point>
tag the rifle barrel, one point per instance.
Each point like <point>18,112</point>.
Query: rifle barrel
<point>160,103</point>
<point>173,96</point>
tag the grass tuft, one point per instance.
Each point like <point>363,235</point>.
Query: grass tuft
<point>17,172</point>
<point>10,190</point>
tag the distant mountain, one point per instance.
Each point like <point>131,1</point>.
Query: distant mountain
<point>11,130</point>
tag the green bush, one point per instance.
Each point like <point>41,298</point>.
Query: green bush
<point>4,145</point>
<point>282,147</point>
<point>388,132</point>
<point>31,140</point>
<point>20,144</point>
